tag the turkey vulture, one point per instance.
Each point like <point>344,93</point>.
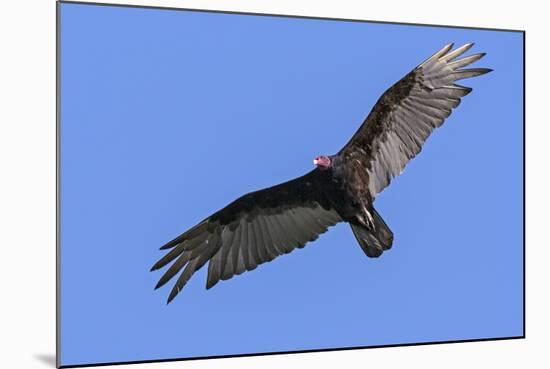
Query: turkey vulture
<point>264,224</point>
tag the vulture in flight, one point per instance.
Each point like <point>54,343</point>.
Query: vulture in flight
<point>261,225</point>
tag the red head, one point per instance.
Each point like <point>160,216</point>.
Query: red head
<point>322,162</point>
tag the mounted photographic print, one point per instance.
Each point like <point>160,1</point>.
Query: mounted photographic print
<point>240,184</point>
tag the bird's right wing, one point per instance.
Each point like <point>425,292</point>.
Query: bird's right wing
<point>407,113</point>
<point>252,230</point>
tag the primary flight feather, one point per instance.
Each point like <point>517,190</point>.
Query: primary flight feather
<point>264,224</point>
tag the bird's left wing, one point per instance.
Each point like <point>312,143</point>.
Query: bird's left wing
<point>407,113</point>
<point>252,230</point>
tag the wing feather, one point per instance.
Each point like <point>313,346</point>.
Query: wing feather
<point>251,247</point>
<point>407,113</point>
<point>254,229</point>
<point>274,230</point>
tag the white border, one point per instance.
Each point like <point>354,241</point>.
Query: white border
<point>27,185</point>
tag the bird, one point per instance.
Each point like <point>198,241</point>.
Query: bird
<point>262,225</point>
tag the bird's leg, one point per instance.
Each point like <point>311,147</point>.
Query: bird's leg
<point>366,218</point>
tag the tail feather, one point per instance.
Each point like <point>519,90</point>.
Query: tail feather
<point>373,241</point>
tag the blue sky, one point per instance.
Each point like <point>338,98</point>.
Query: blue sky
<point>169,115</point>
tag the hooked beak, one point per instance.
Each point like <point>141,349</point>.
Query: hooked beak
<point>315,161</point>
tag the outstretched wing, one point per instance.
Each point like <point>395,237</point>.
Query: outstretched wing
<point>407,113</point>
<point>252,230</point>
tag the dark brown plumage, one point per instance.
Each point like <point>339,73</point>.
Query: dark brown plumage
<point>262,225</point>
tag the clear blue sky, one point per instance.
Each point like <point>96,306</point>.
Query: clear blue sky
<point>169,115</point>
